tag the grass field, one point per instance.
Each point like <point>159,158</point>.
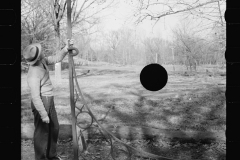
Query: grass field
<point>187,103</point>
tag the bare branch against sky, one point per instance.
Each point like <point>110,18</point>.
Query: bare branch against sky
<point>150,8</point>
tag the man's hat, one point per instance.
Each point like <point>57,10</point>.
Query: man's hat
<point>32,52</point>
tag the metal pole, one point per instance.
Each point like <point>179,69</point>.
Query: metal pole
<point>71,84</point>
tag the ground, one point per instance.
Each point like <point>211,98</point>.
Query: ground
<point>189,102</point>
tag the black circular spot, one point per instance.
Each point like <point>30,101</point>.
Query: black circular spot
<point>153,77</point>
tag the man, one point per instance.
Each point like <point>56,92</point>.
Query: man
<point>42,100</point>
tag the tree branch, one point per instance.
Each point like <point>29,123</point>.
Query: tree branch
<point>79,12</point>
<point>109,5</point>
<point>171,12</point>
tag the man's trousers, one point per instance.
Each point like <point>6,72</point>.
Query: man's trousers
<point>45,134</point>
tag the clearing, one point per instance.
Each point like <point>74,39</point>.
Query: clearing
<point>193,103</point>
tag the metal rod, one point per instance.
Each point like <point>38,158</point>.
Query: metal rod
<point>82,146</point>
<point>71,84</point>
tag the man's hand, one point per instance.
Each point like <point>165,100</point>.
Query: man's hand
<point>70,42</point>
<point>46,120</point>
<point>66,44</point>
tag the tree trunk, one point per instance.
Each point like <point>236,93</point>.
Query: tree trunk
<point>87,58</point>
<point>173,59</point>
<point>126,58</point>
<point>58,69</point>
<point>91,56</point>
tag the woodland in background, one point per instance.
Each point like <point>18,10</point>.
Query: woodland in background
<point>191,101</point>
<point>44,21</point>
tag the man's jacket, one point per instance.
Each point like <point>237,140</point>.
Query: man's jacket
<point>39,81</point>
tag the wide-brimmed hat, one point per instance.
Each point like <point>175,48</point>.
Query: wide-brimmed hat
<point>32,52</point>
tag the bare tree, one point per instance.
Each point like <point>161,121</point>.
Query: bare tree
<point>83,16</point>
<point>126,45</point>
<point>188,45</point>
<point>34,25</point>
<point>208,14</point>
<point>219,44</point>
<point>121,43</point>
<point>156,9</point>
<point>84,42</point>
<point>154,50</point>
<point>113,39</point>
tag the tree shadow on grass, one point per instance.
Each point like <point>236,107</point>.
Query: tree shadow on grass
<point>187,112</point>
<point>188,120</point>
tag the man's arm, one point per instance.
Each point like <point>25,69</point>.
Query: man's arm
<point>60,55</point>
<point>34,84</point>
<point>57,58</point>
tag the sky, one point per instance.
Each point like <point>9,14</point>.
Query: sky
<point>121,16</point>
